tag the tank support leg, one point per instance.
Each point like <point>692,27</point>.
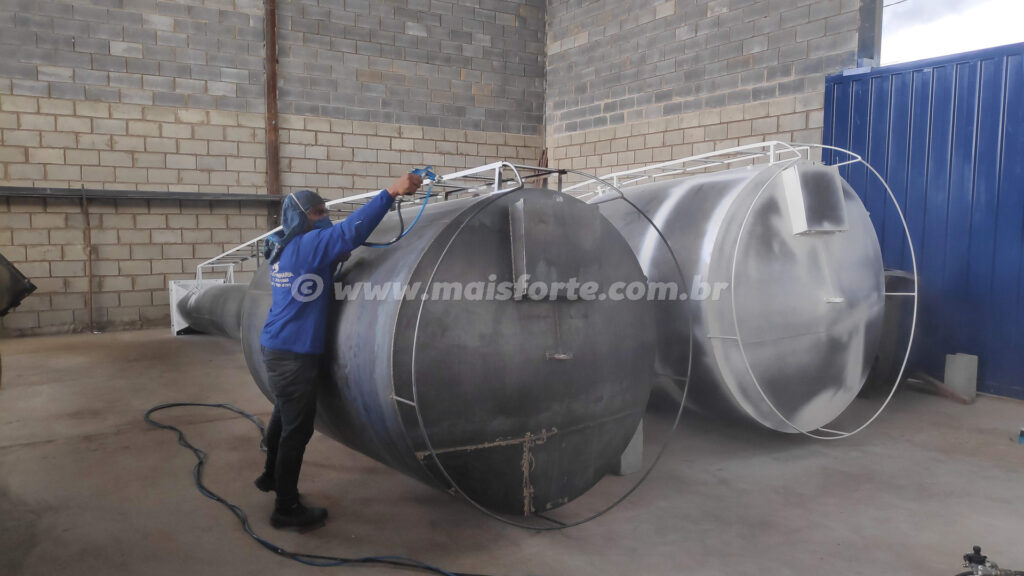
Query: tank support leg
<point>632,458</point>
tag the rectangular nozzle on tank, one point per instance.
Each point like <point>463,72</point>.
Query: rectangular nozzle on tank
<point>541,251</point>
<point>814,196</point>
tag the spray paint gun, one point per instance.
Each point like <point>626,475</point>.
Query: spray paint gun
<point>427,173</point>
<point>429,178</point>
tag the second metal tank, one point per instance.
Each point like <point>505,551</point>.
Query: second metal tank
<point>784,287</point>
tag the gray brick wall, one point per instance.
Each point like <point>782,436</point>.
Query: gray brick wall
<point>136,247</point>
<point>613,62</point>
<point>461,64</point>
<point>194,53</point>
<point>467,64</point>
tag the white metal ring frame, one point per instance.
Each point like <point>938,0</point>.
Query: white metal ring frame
<point>416,399</point>
<point>830,434</point>
<point>773,152</point>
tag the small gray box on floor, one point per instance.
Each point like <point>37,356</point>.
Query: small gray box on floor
<point>962,374</point>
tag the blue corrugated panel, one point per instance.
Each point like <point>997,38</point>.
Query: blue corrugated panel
<point>947,134</point>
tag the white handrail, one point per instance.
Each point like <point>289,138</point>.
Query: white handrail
<point>774,150</point>
<point>494,183</point>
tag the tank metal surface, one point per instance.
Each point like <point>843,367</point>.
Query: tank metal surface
<point>215,309</point>
<point>527,401</point>
<point>791,253</point>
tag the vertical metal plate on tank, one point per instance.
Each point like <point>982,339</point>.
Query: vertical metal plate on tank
<point>539,251</point>
<point>814,199</point>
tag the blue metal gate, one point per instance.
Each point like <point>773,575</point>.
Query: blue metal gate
<point>947,134</point>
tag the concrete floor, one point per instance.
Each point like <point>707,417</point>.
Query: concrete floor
<point>87,488</point>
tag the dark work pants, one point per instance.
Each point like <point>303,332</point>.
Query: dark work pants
<point>293,380</point>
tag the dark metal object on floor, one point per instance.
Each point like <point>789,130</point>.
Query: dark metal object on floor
<point>14,286</point>
<point>980,565</point>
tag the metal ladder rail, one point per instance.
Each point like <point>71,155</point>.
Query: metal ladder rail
<point>488,178</point>
<point>772,150</point>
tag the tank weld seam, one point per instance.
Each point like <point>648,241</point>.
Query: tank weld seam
<point>528,463</point>
<point>537,438</point>
<point>786,337</point>
<point>671,376</point>
<point>530,437</point>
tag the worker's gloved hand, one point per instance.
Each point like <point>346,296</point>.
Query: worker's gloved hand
<point>407,185</point>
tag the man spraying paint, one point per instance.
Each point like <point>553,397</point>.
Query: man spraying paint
<point>302,257</point>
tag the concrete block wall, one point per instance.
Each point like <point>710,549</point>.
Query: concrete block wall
<point>331,154</point>
<point>631,82</point>
<point>60,143</point>
<point>136,247</point>
<point>467,64</point>
<point>168,96</point>
<point>189,53</point>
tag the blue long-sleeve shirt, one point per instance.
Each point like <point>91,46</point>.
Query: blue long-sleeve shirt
<point>301,281</point>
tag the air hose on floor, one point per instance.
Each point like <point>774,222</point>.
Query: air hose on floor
<point>302,558</point>
<point>197,471</point>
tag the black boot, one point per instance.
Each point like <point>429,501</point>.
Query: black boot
<point>297,516</point>
<point>265,482</point>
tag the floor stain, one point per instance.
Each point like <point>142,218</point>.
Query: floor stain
<point>18,533</point>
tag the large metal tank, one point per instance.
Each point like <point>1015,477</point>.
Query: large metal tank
<point>527,402</point>
<point>795,262</point>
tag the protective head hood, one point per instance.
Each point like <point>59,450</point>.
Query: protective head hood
<point>294,222</point>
